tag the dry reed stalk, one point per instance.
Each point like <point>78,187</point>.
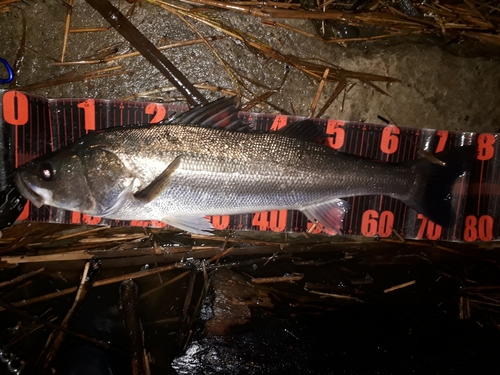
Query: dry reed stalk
<point>186,319</point>
<point>273,23</point>
<point>371,18</point>
<point>132,323</point>
<point>272,4</point>
<point>399,286</point>
<point>72,77</point>
<point>8,2</point>
<point>69,10</point>
<point>89,30</point>
<point>111,280</point>
<point>171,281</point>
<point>371,38</point>
<point>463,308</point>
<point>114,238</point>
<point>440,17</point>
<point>221,254</point>
<point>21,277</point>
<point>226,66</point>
<point>135,54</point>
<point>11,307</point>
<point>310,68</point>
<point>80,232</point>
<point>204,86</point>
<point>483,37</point>
<point>4,5</point>
<point>333,295</point>
<point>278,279</point>
<point>56,338</point>
<point>318,92</point>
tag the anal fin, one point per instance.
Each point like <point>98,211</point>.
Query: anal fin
<point>192,224</point>
<point>150,192</point>
<point>330,214</point>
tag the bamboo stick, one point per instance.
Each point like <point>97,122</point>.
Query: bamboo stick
<point>121,24</point>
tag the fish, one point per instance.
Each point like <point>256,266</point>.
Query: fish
<point>185,170</point>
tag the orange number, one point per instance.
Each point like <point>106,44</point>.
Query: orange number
<point>369,223</point>
<point>386,222</point>
<point>470,231</point>
<point>443,137</point>
<point>485,146</point>
<point>76,217</point>
<point>220,222</point>
<point>372,223</point>
<point>157,224</point>
<point>158,110</point>
<point>91,220</point>
<point>431,230</point>
<point>390,141</point>
<point>279,122</point>
<point>335,133</point>
<point>277,220</point>
<point>482,228</point>
<point>88,107</point>
<point>139,223</point>
<point>260,220</point>
<point>25,213</point>
<point>15,108</point>
<point>485,228</point>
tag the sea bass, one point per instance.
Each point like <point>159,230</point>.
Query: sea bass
<point>181,172</point>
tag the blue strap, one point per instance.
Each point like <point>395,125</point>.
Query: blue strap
<point>9,71</point>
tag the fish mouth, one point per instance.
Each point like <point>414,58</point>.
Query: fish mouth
<point>28,191</point>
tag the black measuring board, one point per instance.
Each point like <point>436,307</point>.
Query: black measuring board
<point>32,125</point>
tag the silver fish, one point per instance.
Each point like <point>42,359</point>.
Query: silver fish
<point>179,173</point>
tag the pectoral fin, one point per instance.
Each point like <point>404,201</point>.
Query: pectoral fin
<point>159,184</point>
<point>192,224</point>
<point>330,214</point>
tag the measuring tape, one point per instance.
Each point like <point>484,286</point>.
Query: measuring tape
<point>32,125</point>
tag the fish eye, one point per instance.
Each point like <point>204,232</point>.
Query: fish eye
<point>47,171</point>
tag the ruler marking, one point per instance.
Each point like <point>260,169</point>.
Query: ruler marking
<point>361,139</point>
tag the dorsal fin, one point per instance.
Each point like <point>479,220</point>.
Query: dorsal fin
<point>221,113</point>
<point>306,130</point>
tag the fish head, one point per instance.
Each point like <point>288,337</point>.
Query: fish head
<point>89,180</point>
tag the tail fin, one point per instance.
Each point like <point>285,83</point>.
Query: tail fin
<point>432,194</point>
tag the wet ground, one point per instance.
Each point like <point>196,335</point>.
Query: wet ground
<point>442,319</point>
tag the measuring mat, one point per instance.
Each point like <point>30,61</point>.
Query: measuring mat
<point>32,125</point>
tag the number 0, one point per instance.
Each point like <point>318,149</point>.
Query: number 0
<point>15,108</point>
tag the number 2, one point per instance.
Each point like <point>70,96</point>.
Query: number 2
<point>159,112</point>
